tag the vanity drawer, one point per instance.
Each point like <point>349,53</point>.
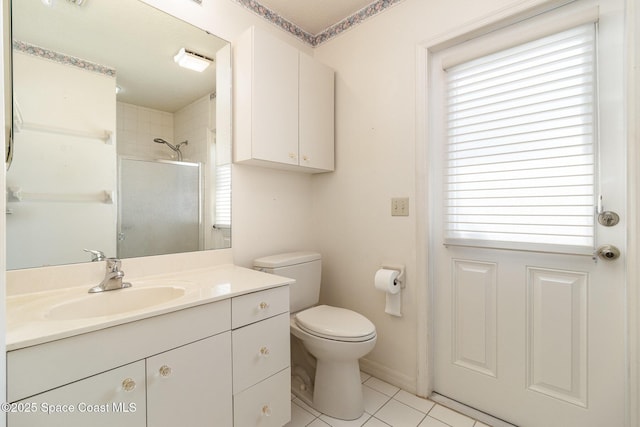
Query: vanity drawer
<point>259,351</point>
<point>266,404</point>
<point>258,306</point>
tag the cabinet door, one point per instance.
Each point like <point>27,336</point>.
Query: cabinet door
<point>191,385</point>
<point>113,398</point>
<point>274,100</point>
<point>316,121</point>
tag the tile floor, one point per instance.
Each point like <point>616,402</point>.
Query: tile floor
<point>385,405</point>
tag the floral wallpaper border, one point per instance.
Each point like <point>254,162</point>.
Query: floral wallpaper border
<point>316,40</point>
<point>62,58</point>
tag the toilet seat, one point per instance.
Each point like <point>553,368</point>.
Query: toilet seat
<point>335,323</point>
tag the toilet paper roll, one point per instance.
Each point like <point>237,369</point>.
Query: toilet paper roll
<point>385,280</point>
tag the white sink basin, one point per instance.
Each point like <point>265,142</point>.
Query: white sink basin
<point>110,303</point>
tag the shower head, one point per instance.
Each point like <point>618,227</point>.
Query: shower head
<point>173,147</point>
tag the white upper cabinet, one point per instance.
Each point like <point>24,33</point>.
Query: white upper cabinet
<point>283,106</point>
<point>315,114</point>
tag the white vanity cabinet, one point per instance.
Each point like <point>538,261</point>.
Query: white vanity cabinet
<point>200,366</point>
<point>283,106</point>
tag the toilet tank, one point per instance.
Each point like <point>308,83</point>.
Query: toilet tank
<point>304,267</point>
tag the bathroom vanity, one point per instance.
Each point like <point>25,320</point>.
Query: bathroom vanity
<point>203,347</point>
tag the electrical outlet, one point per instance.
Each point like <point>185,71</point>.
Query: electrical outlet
<point>400,206</point>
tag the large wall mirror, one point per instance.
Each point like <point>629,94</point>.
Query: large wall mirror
<point>117,147</point>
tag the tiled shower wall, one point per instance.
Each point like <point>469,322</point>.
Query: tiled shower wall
<point>138,126</point>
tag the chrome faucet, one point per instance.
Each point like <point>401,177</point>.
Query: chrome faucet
<point>96,255</point>
<point>112,278</point>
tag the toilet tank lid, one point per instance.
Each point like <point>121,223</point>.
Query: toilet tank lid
<point>286,259</point>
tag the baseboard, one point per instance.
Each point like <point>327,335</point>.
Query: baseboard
<point>469,411</point>
<point>405,382</point>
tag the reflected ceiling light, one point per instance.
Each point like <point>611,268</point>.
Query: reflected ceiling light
<point>47,2</point>
<point>191,60</point>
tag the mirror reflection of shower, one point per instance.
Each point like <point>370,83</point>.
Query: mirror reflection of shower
<point>175,148</point>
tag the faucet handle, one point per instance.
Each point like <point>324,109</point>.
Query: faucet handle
<point>96,255</point>
<point>113,264</point>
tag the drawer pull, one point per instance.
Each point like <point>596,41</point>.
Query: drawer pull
<point>128,384</point>
<point>263,305</point>
<point>165,371</point>
<point>264,351</point>
<point>266,411</point>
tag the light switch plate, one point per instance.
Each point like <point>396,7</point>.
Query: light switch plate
<point>400,206</point>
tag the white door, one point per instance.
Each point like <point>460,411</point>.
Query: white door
<point>532,334</point>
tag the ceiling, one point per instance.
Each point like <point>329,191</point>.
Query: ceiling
<point>139,45</point>
<point>314,16</point>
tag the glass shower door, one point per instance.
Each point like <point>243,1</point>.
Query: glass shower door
<point>158,207</point>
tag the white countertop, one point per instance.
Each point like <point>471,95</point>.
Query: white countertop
<point>28,323</point>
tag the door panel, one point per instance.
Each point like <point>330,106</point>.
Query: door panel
<point>535,339</point>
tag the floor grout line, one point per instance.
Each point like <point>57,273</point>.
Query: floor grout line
<point>387,399</point>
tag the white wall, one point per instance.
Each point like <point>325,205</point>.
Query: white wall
<point>375,161</point>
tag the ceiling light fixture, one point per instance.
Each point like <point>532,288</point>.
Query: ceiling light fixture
<point>191,60</point>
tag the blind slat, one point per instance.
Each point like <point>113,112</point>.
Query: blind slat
<point>223,196</point>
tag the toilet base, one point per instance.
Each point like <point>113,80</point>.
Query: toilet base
<point>338,391</point>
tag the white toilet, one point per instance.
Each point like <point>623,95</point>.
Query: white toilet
<point>335,337</point>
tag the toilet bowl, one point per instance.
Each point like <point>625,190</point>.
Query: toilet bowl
<point>337,338</point>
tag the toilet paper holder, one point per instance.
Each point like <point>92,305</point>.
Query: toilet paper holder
<point>399,268</point>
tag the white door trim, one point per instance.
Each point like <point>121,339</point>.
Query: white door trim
<point>633,209</point>
<point>517,11</point>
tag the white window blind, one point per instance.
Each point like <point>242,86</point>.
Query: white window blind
<point>223,196</point>
<point>521,155</point>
